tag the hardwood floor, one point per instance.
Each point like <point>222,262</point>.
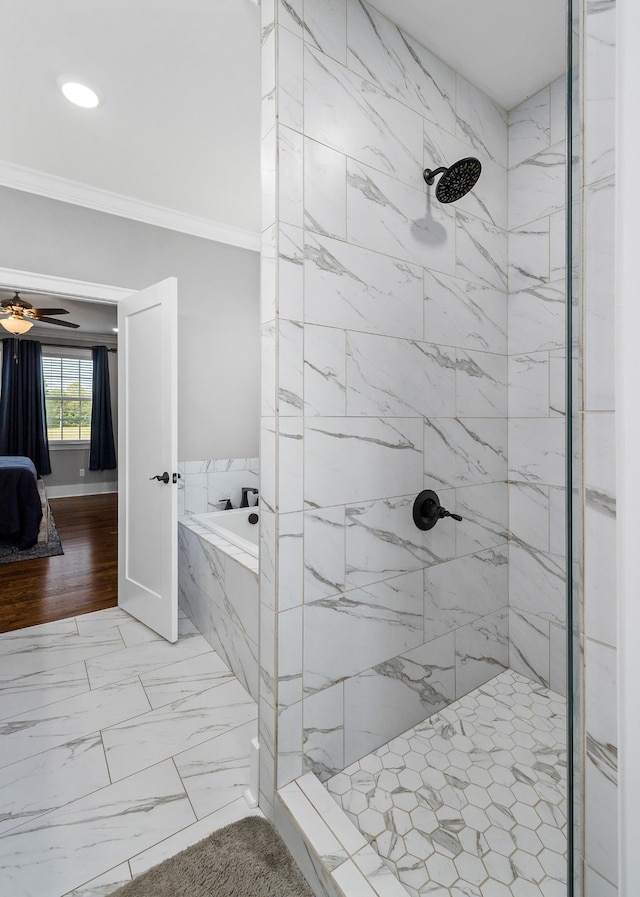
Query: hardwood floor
<point>83,579</point>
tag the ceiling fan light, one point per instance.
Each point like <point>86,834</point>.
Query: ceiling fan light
<point>16,325</point>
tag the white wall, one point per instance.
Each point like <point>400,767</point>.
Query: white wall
<point>218,311</point>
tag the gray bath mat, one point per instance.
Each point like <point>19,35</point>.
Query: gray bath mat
<point>245,859</point>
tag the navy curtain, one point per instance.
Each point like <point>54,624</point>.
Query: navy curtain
<point>23,423</point>
<point>102,454</point>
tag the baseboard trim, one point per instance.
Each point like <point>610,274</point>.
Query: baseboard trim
<point>72,489</point>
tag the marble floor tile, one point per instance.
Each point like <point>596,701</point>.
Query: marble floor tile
<point>67,828</point>
<point>144,740</point>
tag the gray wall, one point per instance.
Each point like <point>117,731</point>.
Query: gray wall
<point>218,285</point>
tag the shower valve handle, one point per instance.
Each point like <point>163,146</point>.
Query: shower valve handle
<point>427,510</point>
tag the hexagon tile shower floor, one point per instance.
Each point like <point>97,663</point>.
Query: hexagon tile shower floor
<point>471,802</point>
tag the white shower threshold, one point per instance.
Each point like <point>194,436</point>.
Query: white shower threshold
<point>469,803</point>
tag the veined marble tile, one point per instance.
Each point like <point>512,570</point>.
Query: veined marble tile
<point>530,127</point>
<point>464,313</point>
<point>481,122</point>
<point>119,665</point>
<point>398,219</point>
<point>338,822</point>
<point>318,834</point>
<point>290,15</point>
<point>529,255</point>
<point>267,82</point>
<point>289,656</point>
<point>290,177</point>
<point>104,885</point>
<point>601,786</point>
<point>557,382</point>
<point>481,251</point>
<point>325,27</point>
<point>290,273</point>
<point>465,451</point>
<point>597,886</point>
<point>529,515</point>
<point>268,181</point>
<point>599,89</point>
<point>51,779</point>
<point>599,314</point>
<point>268,271</point>
<point>482,651</point>
<point>537,583</point>
<point>48,727</point>
<point>529,385</point>
<point>484,512</point>
<point>537,319</point>
<point>388,377</point>
<point>360,119</point>
<point>323,731</point>
<point>481,384</point>
<point>39,689</point>
<point>529,646</point>
<point>99,831</point>
<point>382,540</point>
<point>537,186</point>
<point>558,658</point>
<point>348,634</point>
<point>600,614</point>
<point>290,461</point>
<point>558,520</point>
<point>170,683</point>
<point>268,344</point>
<point>289,760</point>
<point>359,459</point>
<point>458,592</point>
<point>290,84</point>
<point>161,733</point>
<point>324,553</point>
<point>558,91</point>
<point>39,648</point>
<point>384,54</point>
<point>268,498</point>
<point>169,847</point>
<point>290,561</point>
<point>396,694</point>
<point>325,189</point>
<point>557,245</point>
<point>217,772</point>
<point>290,367</point>
<point>537,450</point>
<point>324,371</point>
<point>349,287</point>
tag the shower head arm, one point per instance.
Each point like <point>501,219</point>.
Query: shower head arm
<point>429,174</point>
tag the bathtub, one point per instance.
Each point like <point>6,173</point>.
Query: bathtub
<point>233,526</point>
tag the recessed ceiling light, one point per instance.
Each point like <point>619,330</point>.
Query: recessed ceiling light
<point>79,94</point>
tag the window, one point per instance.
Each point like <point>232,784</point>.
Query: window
<point>68,383</point>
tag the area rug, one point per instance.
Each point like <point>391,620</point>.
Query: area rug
<point>245,859</point>
<point>9,553</point>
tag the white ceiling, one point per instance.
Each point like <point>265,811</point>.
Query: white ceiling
<point>508,48</point>
<point>180,123</point>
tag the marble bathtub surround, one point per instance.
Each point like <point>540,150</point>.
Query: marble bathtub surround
<point>203,484</point>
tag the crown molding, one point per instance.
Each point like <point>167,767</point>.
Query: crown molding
<point>32,282</point>
<point>17,177</point>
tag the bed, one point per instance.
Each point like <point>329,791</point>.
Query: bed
<point>24,510</point>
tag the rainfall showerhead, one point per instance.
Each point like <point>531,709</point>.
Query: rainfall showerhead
<point>456,180</point>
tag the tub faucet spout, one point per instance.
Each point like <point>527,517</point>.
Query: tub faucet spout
<point>244,503</point>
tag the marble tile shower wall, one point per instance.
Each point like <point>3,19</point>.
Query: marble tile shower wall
<point>384,372</point>
<point>536,391</point>
<point>598,435</point>
<point>203,484</point>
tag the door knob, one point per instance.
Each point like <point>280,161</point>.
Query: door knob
<point>162,477</point>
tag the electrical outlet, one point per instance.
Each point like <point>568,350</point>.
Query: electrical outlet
<point>82,471</point>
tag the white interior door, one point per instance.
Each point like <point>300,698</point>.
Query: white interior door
<point>148,448</point>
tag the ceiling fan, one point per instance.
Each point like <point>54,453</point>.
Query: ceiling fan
<point>21,315</point>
